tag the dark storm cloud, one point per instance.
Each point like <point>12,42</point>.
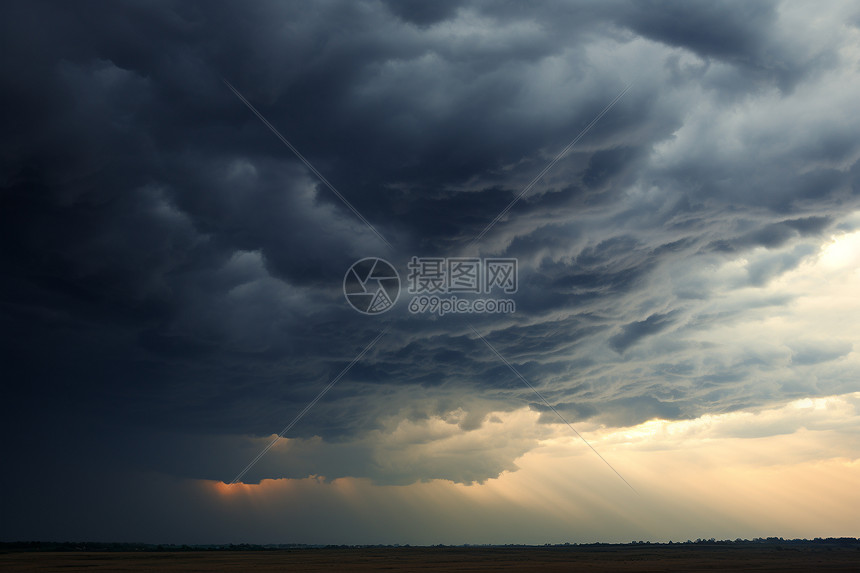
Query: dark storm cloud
<point>728,29</point>
<point>423,13</point>
<point>635,331</point>
<point>806,353</point>
<point>734,32</point>
<point>170,267</point>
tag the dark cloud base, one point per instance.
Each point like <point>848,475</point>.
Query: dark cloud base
<point>171,269</point>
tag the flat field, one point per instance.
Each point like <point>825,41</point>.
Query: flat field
<point>583,558</point>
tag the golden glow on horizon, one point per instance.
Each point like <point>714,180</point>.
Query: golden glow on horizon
<point>821,414</point>
<point>788,470</point>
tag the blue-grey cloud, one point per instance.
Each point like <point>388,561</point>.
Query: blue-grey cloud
<point>173,270</point>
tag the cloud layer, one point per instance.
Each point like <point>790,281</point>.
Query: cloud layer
<point>172,272</point>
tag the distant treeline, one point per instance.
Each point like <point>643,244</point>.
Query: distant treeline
<point>20,546</point>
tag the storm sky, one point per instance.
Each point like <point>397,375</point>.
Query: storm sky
<point>172,273</point>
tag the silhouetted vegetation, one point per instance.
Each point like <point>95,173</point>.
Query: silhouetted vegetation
<point>95,546</point>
